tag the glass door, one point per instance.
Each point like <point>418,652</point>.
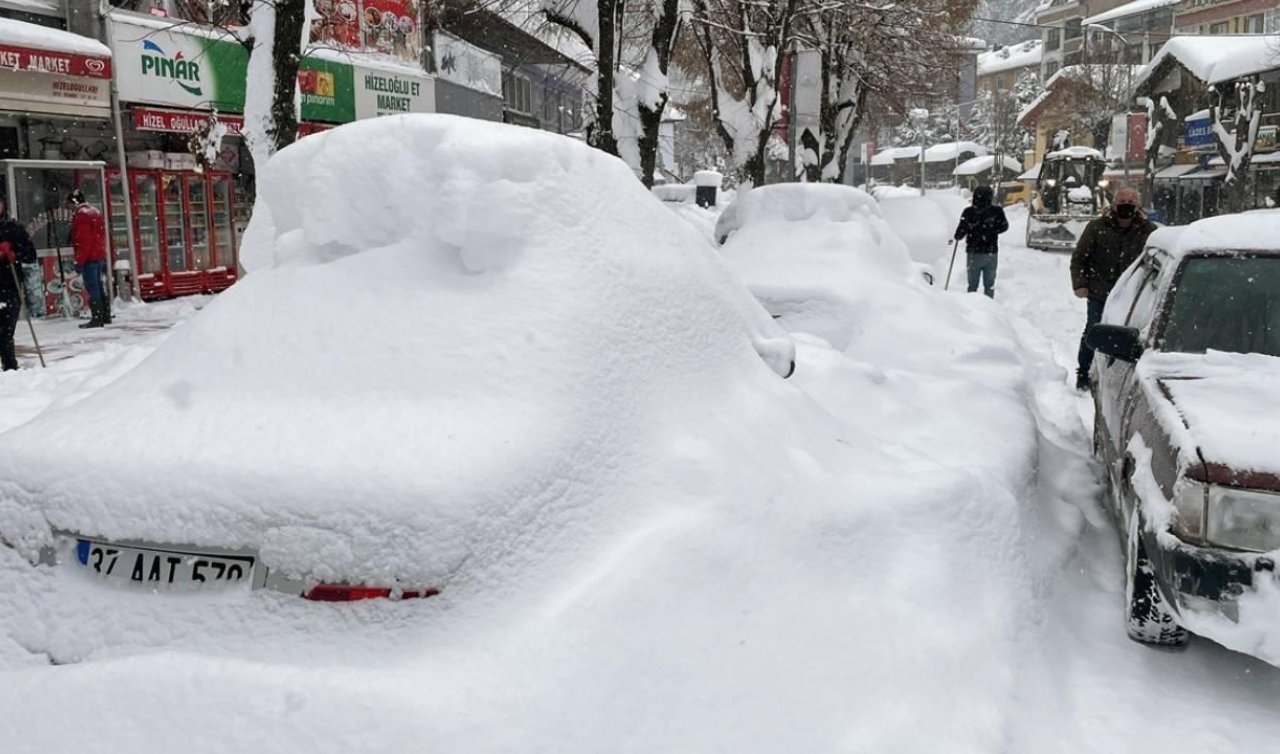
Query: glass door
<point>118,218</point>
<point>175,236</point>
<point>198,219</point>
<point>146,205</point>
<point>223,223</point>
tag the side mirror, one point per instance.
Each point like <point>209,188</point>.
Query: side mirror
<point>1124,343</point>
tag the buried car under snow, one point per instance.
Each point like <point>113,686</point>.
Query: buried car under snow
<point>1187,384</point>
<point>816,255</point>
<point>454,344</point>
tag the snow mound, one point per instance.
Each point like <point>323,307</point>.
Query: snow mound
<point>451,345</point>
<point>926,224</point>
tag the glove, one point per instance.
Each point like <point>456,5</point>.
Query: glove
<point>6,252</point>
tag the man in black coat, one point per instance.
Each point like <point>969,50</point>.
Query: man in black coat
<point>15,247</point>
<point>1105,250</point>
<point>981,226</point>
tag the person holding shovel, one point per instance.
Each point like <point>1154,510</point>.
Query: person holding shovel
<point>15,248</point>
<point>981,225</point>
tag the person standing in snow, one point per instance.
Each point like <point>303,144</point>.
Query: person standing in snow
<point>15,249</point>
<point>1105,250</point>
<point>981,225</point>
<point>89,239</point>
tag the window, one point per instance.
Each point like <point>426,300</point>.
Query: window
<point>1053,39</point>
<point>1225,304</point>
<point>1050,68</point>
<point>1072,29</point>
<point>1255,24</point>
<point>1000,82</point>
<point>1218,28</point>
<point>517,93</point>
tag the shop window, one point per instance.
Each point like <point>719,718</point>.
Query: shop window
<point>517,93</point>
<point>1266,183</point>
<point>9,144</point>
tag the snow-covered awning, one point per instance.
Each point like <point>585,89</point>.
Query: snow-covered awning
<point>950,151</point>
<point>1204,174</point>
<point>1267,158</point>
<point>889,156</point>
<point>1175,171</point>
<point>1033,174</point>
<point>985,163</point>
<point>32,36</point>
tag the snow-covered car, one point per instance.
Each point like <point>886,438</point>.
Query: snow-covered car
<point>452,335</point>
<point>815,255</point>
<point>1187,381</point>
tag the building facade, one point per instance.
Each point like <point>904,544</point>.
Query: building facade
<point>1227,17</point>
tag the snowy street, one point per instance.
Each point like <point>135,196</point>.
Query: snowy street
<point>645,538</point>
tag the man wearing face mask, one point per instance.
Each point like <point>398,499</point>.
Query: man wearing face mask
<point>1105,250</point>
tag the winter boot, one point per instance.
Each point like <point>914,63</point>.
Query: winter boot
<point>1082,381</point>
<point>95,308</point>
<point>106,311</point>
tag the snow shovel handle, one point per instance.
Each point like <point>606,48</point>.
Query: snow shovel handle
<point>26,311</point>
<point>955,244</point>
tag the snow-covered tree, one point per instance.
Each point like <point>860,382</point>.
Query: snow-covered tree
<point>598,24</point>
<point>993,121</point>
<point>274,38</point>
<point>1236,133</point>
<point>1159,116</point>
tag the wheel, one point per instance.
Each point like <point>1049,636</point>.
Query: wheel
<point>1148,617</point>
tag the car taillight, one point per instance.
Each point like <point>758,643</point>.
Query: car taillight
<point>349,593</point>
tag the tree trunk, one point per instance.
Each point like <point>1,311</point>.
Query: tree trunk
<point>651,128</point>
<point>602,136</point>
<point>275,53</point>
<point>663,41</point>
<point>286,56</point>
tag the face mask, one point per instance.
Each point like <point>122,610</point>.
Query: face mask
<point>1126,211</point>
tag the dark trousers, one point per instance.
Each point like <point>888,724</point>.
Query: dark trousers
<point>10,311</point>
<point>92,274</point>
<point>1092,318</point>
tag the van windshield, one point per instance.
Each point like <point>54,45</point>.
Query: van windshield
<point>1225,304</point>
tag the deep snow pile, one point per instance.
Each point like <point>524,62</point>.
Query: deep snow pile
<point>927,224</point>
<point>454,342</point>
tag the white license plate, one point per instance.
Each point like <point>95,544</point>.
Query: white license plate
<point>142,565</point>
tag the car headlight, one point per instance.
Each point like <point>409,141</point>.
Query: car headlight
<point>1188,507</point>
<point>1243,520</point>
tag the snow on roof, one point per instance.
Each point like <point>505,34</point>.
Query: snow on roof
<point>984,163</point>
<point>888,156</point>
<point>1173,171</point>
<point>1198,115</point>
<point>951,150</point>
<point>1265,158</point>
<point>373,60</point>
<point>1214,59</point>
<point>1074,153</point>
<point>23,34</point>
<point>42,7</point>
<point>1032,174</point>
<point>1011,57</point>
<point>1128,9</point>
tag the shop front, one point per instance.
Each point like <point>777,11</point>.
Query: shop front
<point>55,110</point>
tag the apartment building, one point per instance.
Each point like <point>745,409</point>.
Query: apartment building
<point>1227,17</point>
<point>1064,37</point>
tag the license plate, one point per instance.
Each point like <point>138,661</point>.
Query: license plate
<point>151,567</point>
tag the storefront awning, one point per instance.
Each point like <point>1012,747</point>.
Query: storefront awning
<point>49,71</point>
<point>1174,171</point>
<point>1033,174</point>
<point>1204,175</point>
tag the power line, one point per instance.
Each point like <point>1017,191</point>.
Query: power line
<point>1085,29</point>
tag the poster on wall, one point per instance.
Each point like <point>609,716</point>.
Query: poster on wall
<point>337,24</point>
<point>391,27</point>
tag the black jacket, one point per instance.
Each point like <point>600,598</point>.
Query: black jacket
<point>1105,250</point>
<point>981,225</point>
<point>23,249</point>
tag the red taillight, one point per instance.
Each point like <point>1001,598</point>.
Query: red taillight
<point>348,593</point>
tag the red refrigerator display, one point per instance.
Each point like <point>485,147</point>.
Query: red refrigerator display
<point>184,228</point>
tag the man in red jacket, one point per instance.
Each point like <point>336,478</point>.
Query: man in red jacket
<point>89,239</point>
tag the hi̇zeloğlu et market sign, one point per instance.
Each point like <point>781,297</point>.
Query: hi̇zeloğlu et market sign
<point>189,67</point>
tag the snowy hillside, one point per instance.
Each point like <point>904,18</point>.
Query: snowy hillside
<point>999,34</point>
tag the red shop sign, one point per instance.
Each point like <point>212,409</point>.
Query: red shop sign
<point>54,61</point>
<point>146,119</point>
